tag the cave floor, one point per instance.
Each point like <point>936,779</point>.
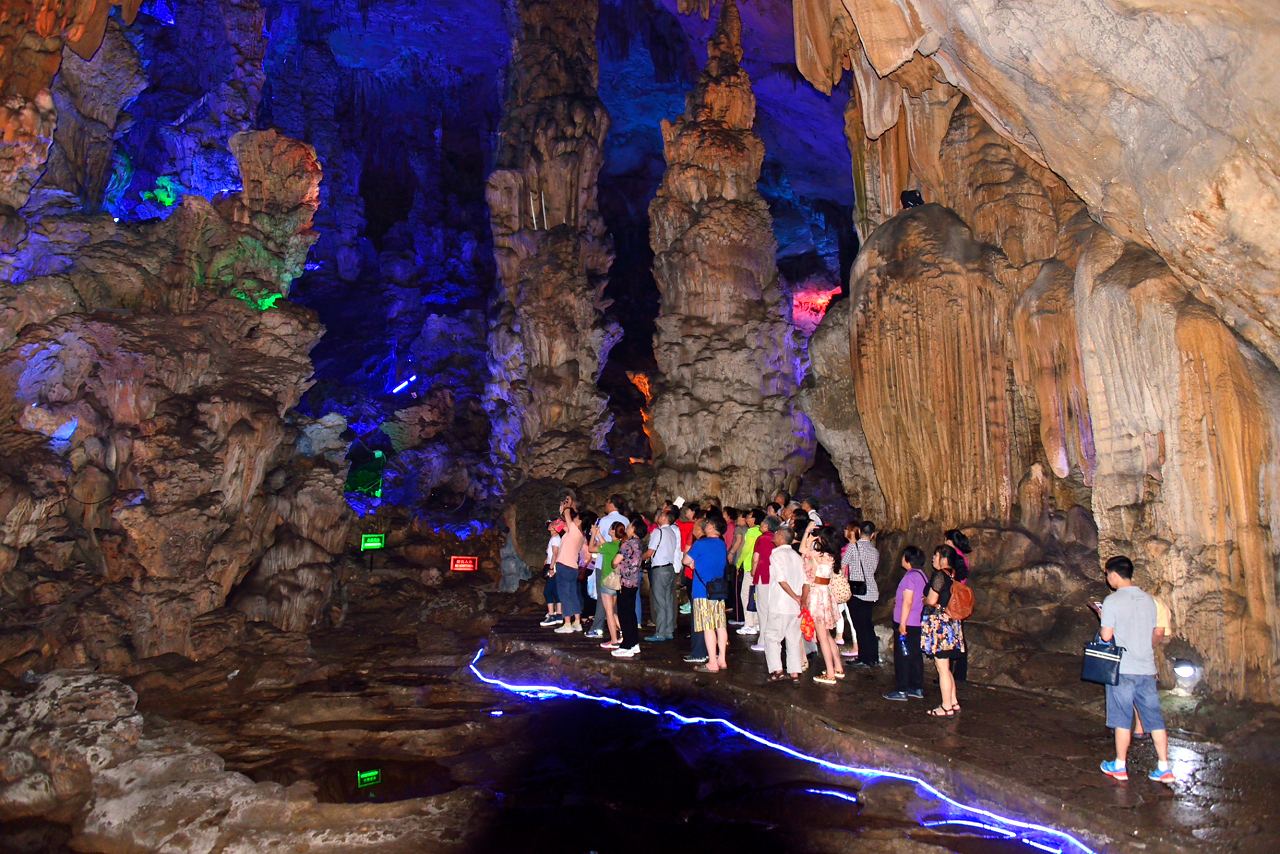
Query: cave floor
<point>1015,752</point>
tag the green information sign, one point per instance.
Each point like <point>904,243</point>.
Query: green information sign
<point>365,779</point>
<point>372,542</point>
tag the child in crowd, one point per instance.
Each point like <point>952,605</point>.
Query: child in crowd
<point>554,615</point>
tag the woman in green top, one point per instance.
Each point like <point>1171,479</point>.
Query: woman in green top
<point>610,581</point>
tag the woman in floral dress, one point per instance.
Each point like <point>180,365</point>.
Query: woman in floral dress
<point>819,552</point>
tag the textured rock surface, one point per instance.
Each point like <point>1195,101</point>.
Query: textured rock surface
<point>151,370</point>
<point>828,398</point>
<point>73,750</point>
<point>548,341</point>
<point>931,368</point>
<point>1156,115</point>
<point>1045,394</point>
<point>724,421</point>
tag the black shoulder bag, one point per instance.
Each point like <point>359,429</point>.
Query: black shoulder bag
<point>859,588</point>
<point>717,588</point>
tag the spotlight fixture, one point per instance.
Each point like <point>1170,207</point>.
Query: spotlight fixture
<point>1187,675</point>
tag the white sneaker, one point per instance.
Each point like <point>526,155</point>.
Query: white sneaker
<point>757,647</point>
<point>551,620</point>
<point>566,629</point>
<point>626,652</point>
<point>748,630</point>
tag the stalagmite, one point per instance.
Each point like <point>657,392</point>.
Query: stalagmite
<point>548,340</point>
<point>724,421</point>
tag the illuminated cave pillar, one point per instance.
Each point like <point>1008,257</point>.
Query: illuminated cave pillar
<point>548,339</point>
<point>725,422</point>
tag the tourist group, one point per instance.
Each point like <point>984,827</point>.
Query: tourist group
<point>783,577</point>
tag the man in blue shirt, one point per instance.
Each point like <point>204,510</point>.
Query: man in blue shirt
<point>1129,619</point>
<point>709,558</point>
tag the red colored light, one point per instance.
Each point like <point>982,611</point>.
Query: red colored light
<point>463,564</point>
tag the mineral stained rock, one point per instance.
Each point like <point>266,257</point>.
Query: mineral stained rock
<point>1157,115</point>
<point>152,463</point>
<point>1021,367</point>
<point>548,340</point>
<point>829,399</point>
<point>724,417</point>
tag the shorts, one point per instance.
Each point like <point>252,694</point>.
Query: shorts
<point>1134,692</point>
<point>709,615</point>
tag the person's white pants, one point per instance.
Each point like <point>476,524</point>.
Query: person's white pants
<point>762,606</point>
<point>784,628</point>
<point>751,619</point>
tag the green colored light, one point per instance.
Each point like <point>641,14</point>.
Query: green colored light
<point>372,542</point>
<point>263,300</point>
<point>166,191</point>
<point>365,779</point>
<point>366,477</point>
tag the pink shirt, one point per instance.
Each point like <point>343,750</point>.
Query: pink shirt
<point>571,543</point>
<point>730,530</point>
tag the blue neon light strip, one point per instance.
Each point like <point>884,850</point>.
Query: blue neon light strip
<point>833,793</point>
<point>546,692</point>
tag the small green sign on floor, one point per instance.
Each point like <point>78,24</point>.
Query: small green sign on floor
<point>372,542</point>
<point>365,779</point>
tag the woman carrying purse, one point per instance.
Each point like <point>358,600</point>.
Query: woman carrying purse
<point>941,637</point>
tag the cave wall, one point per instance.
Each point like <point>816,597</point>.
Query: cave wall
<point>1085,317</point>
<point>724,419</point>
<point>157,489</point>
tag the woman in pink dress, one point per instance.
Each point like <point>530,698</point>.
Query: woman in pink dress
<point>818,548</point>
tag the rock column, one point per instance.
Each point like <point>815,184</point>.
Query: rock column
<point>724,423</point>
<point>548,340</point>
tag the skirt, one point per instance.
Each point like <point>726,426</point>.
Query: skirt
<point>709,615</point>
<point>941,636</point>
<point>822,607</point>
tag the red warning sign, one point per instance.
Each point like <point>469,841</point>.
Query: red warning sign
<point>463,564</point>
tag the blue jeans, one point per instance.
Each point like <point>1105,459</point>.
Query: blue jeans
<point>567,585</point>
<point>1134,692</point>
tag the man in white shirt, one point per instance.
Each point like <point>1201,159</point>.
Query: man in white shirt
<point>612,514</point>
<point>663,552</point>
<point>786,589</point>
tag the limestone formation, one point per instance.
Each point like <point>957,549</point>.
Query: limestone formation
<point>930,368</point>
<point>152,462</point>
<point>1018,365</point>
<point>74,751</point>
<point>829,399</point>
<point>724,420</point>
<point>548,340</point>
<point>1158,116</point>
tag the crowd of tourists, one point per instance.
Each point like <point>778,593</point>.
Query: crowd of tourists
<point>783,577</point>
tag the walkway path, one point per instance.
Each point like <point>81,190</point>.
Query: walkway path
<point>1013,752</point>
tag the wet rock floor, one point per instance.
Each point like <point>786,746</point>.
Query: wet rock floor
<point>1011,751</point>
<point>465,767</point>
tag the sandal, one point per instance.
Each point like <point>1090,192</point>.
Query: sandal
<point>825,679</point>
<point>777,676</point>
<point>941,712</point>
<point>794,677</point>
<point>702,668</point>
<point>839,674</point>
